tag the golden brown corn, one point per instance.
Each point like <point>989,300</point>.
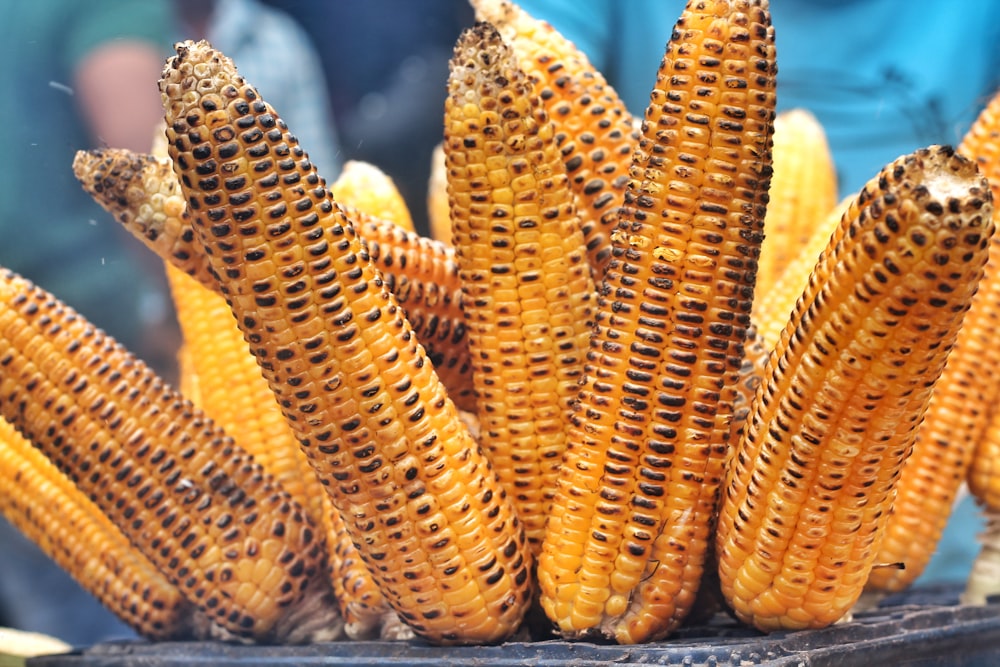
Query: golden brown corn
<point>142,192</point>
<point>960,409</point>
<point>49,510</point>
<point>772,307</point>
<point>438,213</point>
<point>419,499</point>
<point>423,276</point>
<point>196,505</point>
<point>365,187</point>
<point>803,192</point>
<point>594,130</point>
<point>627,536</point>
<point>810,486</point>
<point>528,294</point>
<point>235,395</point>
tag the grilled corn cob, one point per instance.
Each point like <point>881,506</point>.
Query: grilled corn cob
<point>420,501</point>
<point>960,409</point>
<point>423,276</point>
<point>809,489</point>
<point>772,307</point>
<point>48,509</point>
<point>803,192</point>
<point>594,130</point>
<point>627,536</point>
<point>235,395</point>
<point>528,294</point>
<point>208,517</point>
<point>142,192</point>
<point>365,187</point>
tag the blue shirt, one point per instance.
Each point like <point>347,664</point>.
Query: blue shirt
<point>884,77</point>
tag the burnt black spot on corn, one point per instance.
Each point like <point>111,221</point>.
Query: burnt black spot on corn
<point>594,130</point>
<point>49,510</point>
<point>232,391</point>
<point>141,192</point>
<point>953,443</point>
<point>420,501</point>
<point>196,505</point>
<point>423,275</point>
<point>528,296</point>
<point>809,490</point>
<point>626,541</point>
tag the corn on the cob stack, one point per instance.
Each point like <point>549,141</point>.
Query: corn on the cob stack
<point>48,509</point>
<point>632,517</point>
<point>235,395</point>
<point>197,506</point>
<point>365,187</point>
<point>960,408</point>
<point>142,193</point>
<point>594,130</point>
<point>810,486</point>
<point>803,192</point>
<point>419,499</point>
<point>528,294</point>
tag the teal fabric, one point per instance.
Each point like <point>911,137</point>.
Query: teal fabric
<point>50,230</point>
<point>884,77</point>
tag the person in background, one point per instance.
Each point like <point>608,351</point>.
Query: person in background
<point>273,52</point>
<point>386,63</point>
<point>882,81</point>
<point>77,75</point>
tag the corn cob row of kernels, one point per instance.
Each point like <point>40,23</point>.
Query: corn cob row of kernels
<point>773,307</point>
<point>196,505</point>
<point>810,487</point>
<point>49,510</point>
<point>235,395</point>
<point>594,130</point>
<point>142,193</point>
<point>633,513</point>
<point>528,294</point>
<point>421,502</point>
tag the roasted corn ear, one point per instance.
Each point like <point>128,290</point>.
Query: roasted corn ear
<point>594,130</point>
<point>633,513</point>
<point>528,294</point>
<point>142,193</point>
<point>419,499</point>
<point>363,186</point>
<point>961,407</point>
<point>803,192</point>
<point>810,486</point>
<point>196,505</point>
<point>234,393</point>
<point>49,510</point>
